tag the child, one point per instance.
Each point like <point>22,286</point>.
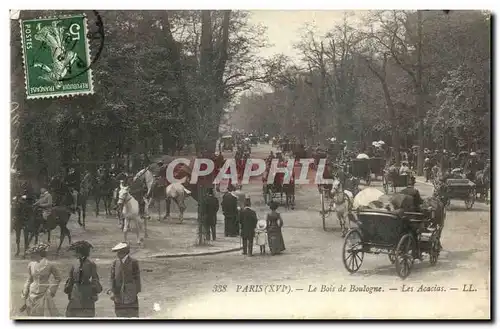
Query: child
<point>261,235</point>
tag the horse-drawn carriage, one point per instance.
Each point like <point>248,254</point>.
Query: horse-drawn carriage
<point>394,180</point>
<point>227,143</point>
<point>360,168</point>
<point>404,237</point>
<point>254,140</point>
<point>377,166</point>
<point>278,187</point>
<point>461,189</point>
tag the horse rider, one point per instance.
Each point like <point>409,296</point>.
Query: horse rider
<point>44,203</point>
<point>73,183</point>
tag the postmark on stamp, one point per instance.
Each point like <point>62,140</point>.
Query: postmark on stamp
<point>56,57</point>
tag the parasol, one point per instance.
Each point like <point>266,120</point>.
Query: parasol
<point>366,196</point>
<point>374,143</point>
<point>362,156</point>
<point>473,153</point>
<point>381,142</point>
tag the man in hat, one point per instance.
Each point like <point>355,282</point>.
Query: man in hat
<point>229,206</point>
<point>125,282</point>
<point>414,193</point>
<point>211,207</point>
<point>73,182</point>
<point>45,203</point>
<point>248,220</point>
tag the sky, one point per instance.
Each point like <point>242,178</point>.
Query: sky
<point>283,27</point>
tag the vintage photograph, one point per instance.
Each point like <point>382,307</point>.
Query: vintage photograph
<point>250,164</point>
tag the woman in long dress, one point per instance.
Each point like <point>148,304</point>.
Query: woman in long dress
<point>274,224</point>
<point>38,292</point>
<point>82,286</point>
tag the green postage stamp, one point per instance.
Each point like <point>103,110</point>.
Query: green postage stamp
<point>56,57</point>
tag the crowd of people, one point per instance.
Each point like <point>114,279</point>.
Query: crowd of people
<point>83,285</point>
<point>241,220</point>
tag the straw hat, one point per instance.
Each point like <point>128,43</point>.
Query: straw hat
<point>120,246</point>
<point>261,224</point>
<point>38,248</point>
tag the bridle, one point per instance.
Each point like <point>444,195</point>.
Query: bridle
<point>124,198</point>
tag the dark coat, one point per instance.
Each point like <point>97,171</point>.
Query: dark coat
<point>125,280</point>
<point>248,219</point>
<point>210,208</point>
<point>229,205</point>
<point>415,194</point>
<point>82,287</point>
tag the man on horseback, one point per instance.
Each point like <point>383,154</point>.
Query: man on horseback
<point>73,183</point>
<point>44,203</point>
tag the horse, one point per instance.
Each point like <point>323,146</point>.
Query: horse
<point>59,216</point>
<point>130,212</point>
<point>482,181</point>
<point>178,193</point>
<point>103,191</point>
<point>23,220</point>
<point>142,189</point>
<point>342,200</point>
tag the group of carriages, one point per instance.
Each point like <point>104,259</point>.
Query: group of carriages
<point>404,236</point>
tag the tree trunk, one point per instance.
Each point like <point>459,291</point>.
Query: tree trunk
<point>420,101</point>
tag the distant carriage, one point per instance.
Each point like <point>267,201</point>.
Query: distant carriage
<point>392,179</point>
<point>461,189</point>
<point>227,142</point>
<point>277,188</point>
<point>360,168</point>
<point>377,166</point>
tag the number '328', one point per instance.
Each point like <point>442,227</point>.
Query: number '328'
<point>219,288</point>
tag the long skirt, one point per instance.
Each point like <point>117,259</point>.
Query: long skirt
<point>231,226</point>
<point>80,309</point>
<point>41,305</point>
<point>276,243</point>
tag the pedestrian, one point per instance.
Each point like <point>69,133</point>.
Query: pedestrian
<point>210,209</point>
<point>125,282</point>
<point>261,235</point>
<point>248,220</point>
<point>274,225</point>
<point>229,206</point>
<point>38,292</point>
<point>82,286</point>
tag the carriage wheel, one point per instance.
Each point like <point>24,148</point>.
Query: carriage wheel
<point>385,184</point>
<point>434,252</point>
<point>323,211</point>
<point>404,255</point>
<point>352,252</point>
<point>471,198</point>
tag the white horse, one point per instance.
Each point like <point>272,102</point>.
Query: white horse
<point>130,213</point>
<point>342,202</point>
<point>178,193</point>
<point>145,176</point>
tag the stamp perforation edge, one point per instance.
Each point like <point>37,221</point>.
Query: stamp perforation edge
<point>87,55</point>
